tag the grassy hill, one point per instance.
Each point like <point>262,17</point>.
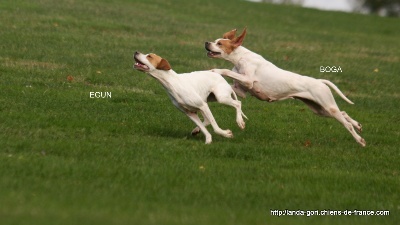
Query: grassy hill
<point>66,158</point>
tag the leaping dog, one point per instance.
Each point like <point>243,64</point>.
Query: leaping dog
<point>262,79</point>
<point>189,92</point>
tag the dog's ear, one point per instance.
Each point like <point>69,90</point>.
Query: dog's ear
<point>238,41</point>
<point>230,34</point>
<point>163,65</point>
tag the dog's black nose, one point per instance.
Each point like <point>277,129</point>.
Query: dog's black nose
<point>206,45</point>
<point>135,54</point>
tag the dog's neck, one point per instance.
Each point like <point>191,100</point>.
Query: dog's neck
<point>242,56</point>
<point>165,77</point>
<point>236,56</point>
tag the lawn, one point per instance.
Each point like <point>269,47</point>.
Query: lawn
<point>67,158</point>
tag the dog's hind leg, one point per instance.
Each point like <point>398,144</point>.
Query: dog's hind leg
<point>224,96</point>
<point>333,111</point>
<point>337,114</point>
<point>315,107</point>
<point>322,96</point>
<point>239,113</point>
<point>355,124</point>
<point>195,118</point>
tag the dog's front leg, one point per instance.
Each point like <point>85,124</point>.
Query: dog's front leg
<point>197,130</point>
<point>242,79</point>
<point>195,118</point>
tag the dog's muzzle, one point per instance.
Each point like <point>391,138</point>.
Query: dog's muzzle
<point>210,53</point>
<point>138,64</point>
<point>206,44</point>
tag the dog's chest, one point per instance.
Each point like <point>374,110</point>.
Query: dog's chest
<point>258,92</point>
<point>240,68</point>
<point>184,102</point>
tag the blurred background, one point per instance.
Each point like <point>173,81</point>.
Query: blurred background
<point>389,8</point>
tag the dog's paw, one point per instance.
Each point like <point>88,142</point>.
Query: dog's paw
<point>362,142</point>
<point>216,71</point>
<point>195,131</point>
<point>359,128</point>
<point>228,134</point>
<point>241,124</point>
<point>208,140</point>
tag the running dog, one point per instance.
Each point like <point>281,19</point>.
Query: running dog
<point>262,79</point>
<point>189,92</point>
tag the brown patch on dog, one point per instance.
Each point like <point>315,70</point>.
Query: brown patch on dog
<point>238,41</point>
<point>226,46</point>
<point>230,34</point>
<point>232,43</point>
<point>163,65</point>
<point>158,62</point>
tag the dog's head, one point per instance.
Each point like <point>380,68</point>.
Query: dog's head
<point>223,47</point>
<point>150,62</point>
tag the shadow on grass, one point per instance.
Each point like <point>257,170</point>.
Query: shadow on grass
<point>173,133</point>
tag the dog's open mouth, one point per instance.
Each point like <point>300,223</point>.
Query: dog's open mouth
<point>210,53</point>
<point>213,54</point>
<point>140,66</point>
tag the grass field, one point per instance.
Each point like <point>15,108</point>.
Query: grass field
<point>66,158</point>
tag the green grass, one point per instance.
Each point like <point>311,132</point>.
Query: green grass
<point>66,158</point>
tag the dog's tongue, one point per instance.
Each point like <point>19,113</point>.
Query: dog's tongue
<point>211,53</point>
<point>139,65</point>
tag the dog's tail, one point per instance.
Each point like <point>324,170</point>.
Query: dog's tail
<point>234,95</point>
<point>244,116</point>
<point>236,98</point>
<point>333,86</point>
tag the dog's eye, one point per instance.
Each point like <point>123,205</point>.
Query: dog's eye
<point>149,56</point>
<point>219,43</point>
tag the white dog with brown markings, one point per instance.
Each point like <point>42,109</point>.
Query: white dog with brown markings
<point>189,92</point>
<point>262,79</point>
